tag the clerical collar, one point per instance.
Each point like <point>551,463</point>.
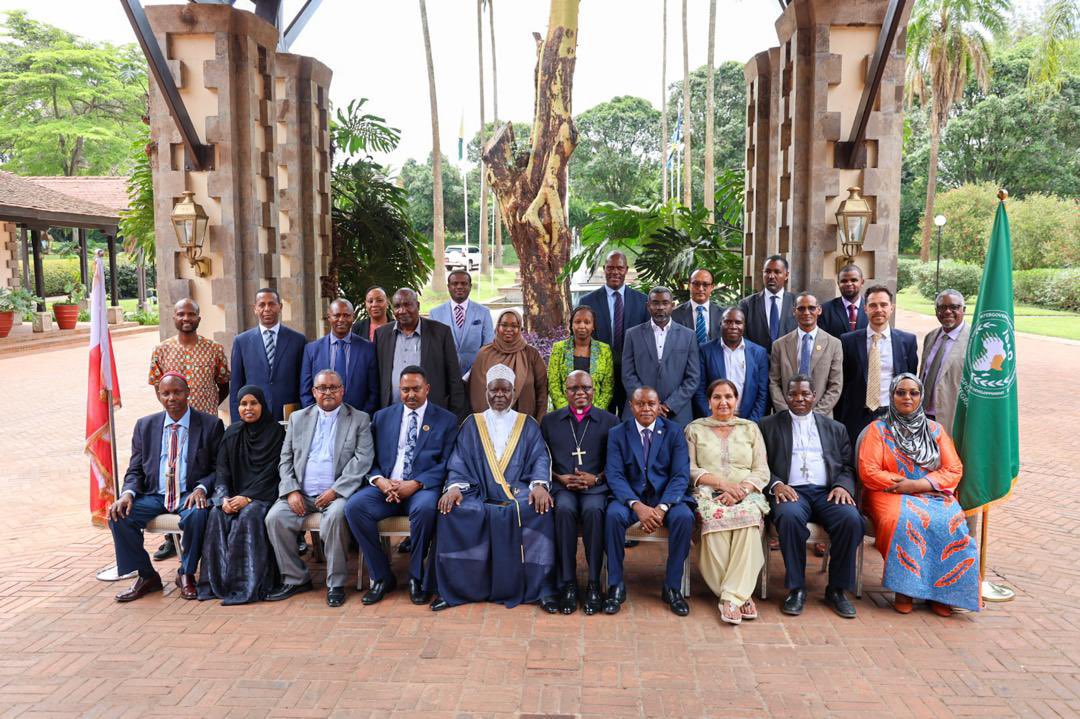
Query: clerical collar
<point>580,415</point>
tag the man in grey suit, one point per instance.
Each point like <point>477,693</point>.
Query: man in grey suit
<point>663,355</point>
<point>469,321</point>
<point>943,353</point>
<point>810,351</point>
<point>699,313</point>
<point>327,453</point>
<point>769,313</point>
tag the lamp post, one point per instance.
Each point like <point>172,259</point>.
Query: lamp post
<point>940,221</point>
<point>190,223</point>
<point>852,218</point>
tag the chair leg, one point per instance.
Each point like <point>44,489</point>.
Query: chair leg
<point>361,573</point>
<point>858,569</point>
<point>825,558</point>
<point>686,577</point>
<point>316,547</point>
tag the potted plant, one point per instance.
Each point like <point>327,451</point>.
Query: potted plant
<point>67,313</point>
<point>11,301</point>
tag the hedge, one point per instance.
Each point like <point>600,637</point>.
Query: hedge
<point>1053,288</point>
<point>58,271</point>
<point>959,276</point>
<point>905,272</point>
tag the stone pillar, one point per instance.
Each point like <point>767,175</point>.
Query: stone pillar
<point>818,74</point>
<point>10,252</point>
<point>224,62</point>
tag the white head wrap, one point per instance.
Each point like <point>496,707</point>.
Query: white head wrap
<point>500,371</point>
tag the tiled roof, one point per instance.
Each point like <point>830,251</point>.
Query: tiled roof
<point>22,200</point>
<point>106,190</point>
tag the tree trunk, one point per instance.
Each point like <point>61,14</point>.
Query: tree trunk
<point>485,251</point>
<point>663,109</point>
<point>687,124</point>
<point>140,275</point>
<point>438,278</point>
<point>530,189</point>
<point>710,180</point>
<point>495,113</point>
<point>931,188</point>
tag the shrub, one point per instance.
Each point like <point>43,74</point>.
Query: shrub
<point>1045,232</point>
<point>959,276</point>
<point>905,272</point>
<point>1057,289</point>
<point>61,271</point>
<point>58,272</point>
<point>969,211</point>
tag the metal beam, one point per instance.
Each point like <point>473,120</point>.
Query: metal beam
<point>852,154</point>
<point>290,33</point>
<point>199,156</point>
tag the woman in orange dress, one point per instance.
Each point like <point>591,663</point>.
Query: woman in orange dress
<point>909,470</point>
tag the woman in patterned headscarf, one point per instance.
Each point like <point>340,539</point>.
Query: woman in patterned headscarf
<point>909,469</point>
<point>510,348</point>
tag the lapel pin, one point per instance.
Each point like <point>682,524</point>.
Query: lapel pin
<point>426,428</point>
<point>817,347</point>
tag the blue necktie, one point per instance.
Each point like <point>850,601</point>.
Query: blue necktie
<point>804,356</point>
<point>339,359</point>
<point>617,326</point>
<point>699,326</point>
<point>646,444</point>
<point>774,318</point>
<point>410,445</point>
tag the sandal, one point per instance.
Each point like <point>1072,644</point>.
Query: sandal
<point>902,604</point>
<point>730,613</point>
<point>748,609</point>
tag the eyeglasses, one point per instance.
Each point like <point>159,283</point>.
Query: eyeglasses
<point>811,308</point>
<point>575,388</point>
<point>701,285</point>
<point>949,308</point>
<point>328,388</point>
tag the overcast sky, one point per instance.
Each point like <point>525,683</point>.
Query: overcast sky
<point>376,50</point>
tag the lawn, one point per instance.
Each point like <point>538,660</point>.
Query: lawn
<point>1036,320</point>
<point>484,289</point>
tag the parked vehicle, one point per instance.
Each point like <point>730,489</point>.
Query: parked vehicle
<point>462,257</point>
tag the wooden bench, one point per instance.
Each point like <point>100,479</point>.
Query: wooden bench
<point>817,536</point>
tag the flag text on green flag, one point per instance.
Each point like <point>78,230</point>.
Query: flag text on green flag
<point>986,428</point>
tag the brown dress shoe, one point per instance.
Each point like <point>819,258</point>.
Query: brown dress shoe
<point>942,610</point>
<point>186,583</point>
<point>902,603</point>
<point>141,587</point>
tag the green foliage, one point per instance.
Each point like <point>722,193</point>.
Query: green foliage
<point>137,221</point>
<point>143,317</point>
<point>75,292</point>
<point>617,158</point>
<point>375,241</point>
<point>1053,288</point>
<point>416,179</point>
<point>905,272</point>
<point>18,299</point>
<point>1060,23</point>
<point>61,271</point>
<point>1045,230</point>
<point>67,106</point>
<point>58,273</point>
<point>960,276</point>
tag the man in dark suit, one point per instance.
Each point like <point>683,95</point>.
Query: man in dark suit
<point>737,359</point>
<point>845,313</point>
<point>413,441</point>
<point>173,458</point>
<point>616,308</point>
<point>648,470</point>
<point>576,436</point>
<point>699,313</point>
<point>350,355</point>
<point>872,357</point>
<point>268,356</point>
<point>663,355</point>
<point>770,313</point>
<point>812,480</point>
<point>425,343</point>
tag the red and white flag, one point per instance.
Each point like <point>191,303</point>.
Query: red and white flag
<point>102,379</point>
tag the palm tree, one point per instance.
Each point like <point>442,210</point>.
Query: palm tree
<point>710,181</point>
<point>948,42</point>
<point>663,110</point>
<point>687,122</point>
<point>495,112</point>
<point>438,278</point>
<point>485,260</point>
<point>1060,23</point>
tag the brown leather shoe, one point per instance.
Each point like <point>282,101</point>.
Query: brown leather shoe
<point>186,583</point>
<point>942,610</point>
<point>902,603</point>
<point>141,587</point>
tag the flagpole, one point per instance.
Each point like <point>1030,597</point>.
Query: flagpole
<point>984,533</point>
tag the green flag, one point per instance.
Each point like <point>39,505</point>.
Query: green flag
<point>986,428</point>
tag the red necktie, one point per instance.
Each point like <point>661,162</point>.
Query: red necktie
<point>459,316</point>
<point>852,318</point>
<point>172,482</point>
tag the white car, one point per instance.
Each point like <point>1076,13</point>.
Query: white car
<point>462,257</point>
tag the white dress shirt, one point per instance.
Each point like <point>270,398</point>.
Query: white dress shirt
<point>779,303</point>
<point>319,470</point>
<point>813,339</point>
<point>885,349</point>
<point>660,335</point>
<point>735,364</point>
<point>403,440</point>
<point>807,457</point>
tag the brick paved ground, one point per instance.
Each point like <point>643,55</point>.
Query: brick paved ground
<point>67,649</point>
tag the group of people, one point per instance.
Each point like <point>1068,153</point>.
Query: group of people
<point>702,421</point>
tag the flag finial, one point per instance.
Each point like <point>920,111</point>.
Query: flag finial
<point>1003,194</point>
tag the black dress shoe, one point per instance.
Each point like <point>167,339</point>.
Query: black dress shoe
<point>835,598</point>
<point>439,604</point>
<point>335,596</point>
<point>417,595</point>
<point>674,599</point>
<point>616,596</point>
<point>568,599</point>
<point>287,590</point>
<point>166,550</point>
<point>140,588</point>
<point>594,601</point>
<point>794,603</point>
<point>550,604</point>
<point>379,590</point>
<point>405,547</point>
<point>301,544</point>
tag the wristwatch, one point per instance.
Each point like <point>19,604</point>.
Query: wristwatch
<point>662,507</point>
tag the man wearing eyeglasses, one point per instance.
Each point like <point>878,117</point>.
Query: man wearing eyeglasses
<point>808,350</point>
<point>327,452</point>
<point>700,313</point>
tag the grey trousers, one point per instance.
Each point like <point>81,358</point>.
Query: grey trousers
<point>282,525</point>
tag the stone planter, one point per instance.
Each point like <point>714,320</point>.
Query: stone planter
<point>66,315</point>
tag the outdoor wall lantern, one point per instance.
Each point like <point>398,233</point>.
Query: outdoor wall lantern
<point>852,217</point>
<point>190,222</point>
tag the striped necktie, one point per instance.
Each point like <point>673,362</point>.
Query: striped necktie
<point>172,480</point>
<point>459,316</point>
<point>699,326</point>
<point>268,342</point>
<point>873,374</point>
